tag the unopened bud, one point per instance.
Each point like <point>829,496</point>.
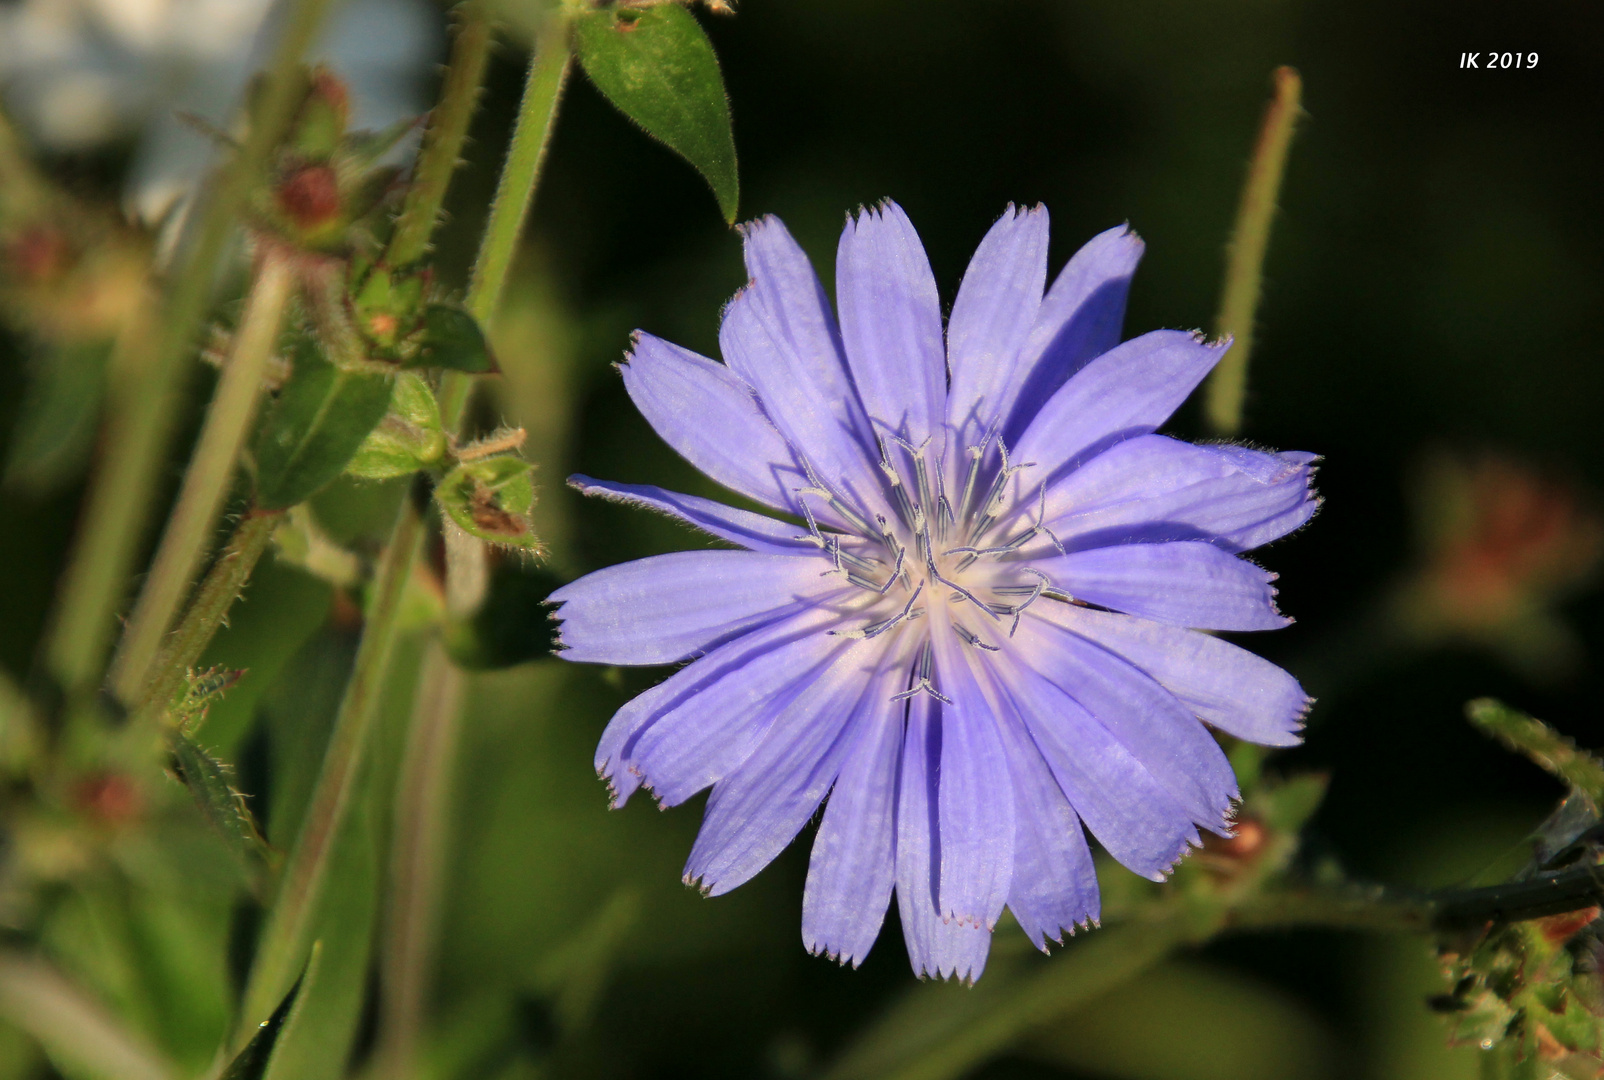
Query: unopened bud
<point>310,197</point>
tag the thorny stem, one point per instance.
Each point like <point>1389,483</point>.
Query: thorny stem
<point>1244,268</point>
<point>143,405</point>
<point>189,530</point>
<point>284,940</point>
<point>442,141</point>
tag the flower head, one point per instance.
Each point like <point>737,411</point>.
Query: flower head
<point>979,637</point>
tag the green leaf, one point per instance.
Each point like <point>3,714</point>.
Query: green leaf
<point>452,339</point>
<point>319,421</point>
<point>251,1062</point>
<point>657,67</point>
<point>410,437</point>
<point>491,499</point>
<point>220,802</point>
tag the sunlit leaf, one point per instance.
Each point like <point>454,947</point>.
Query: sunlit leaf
<point>319,421</point>
<point>657,66</point>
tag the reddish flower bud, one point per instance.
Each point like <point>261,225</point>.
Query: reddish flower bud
<point>310,196</point>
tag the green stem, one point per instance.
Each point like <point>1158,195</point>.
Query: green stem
<point>442,141</point>
<point>417,859</point>
<point>72,1025</point>
<point>144,402</point>
<point>1244,267</point>
<point>1551,751</point>
<point>204,617</point>
<point>284,941</point>
<point>423,796</point>
<point>520,173</point>
<point>189,530</point>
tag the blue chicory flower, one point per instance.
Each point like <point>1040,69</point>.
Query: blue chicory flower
<point>985,634</point>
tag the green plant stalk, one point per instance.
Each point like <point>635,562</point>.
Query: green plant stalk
<point>417,858</point>
<point>442,140</point>
<point>520,174</point>
<point>284,940</point>
<point>73,1025</point>
<point>189,531</point>
<point>206,612</point>
<point>143,405</point>
<point>1551,751</point>
<point>1244,266</point>
<point>423,795</point>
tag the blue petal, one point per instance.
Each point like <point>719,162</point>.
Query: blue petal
<point>665,608</point>
<point>1145,718</point>
<point>694,727</point>
<point>1128,391</point>
<point>780,336</point>
<point>755,811</point>
<point>1079,319</point>
<point>1236,691</point>
<point>1054,885</point>
<point>1156,488</point>
<point>751,531</point>
<point>937,948</point>
<point>853,865</point>
<point>1131,814</point>
<point>993,315</point>
<point>891,323</point>
<point>712,418</point>
<point>976,800</point>
<point>1187,583</point>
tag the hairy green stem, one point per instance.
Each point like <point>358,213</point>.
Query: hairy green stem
<point>520,174</point>
<point>1551,751</point>
<point>284,941</point>
<point>206,612</point>
<point>443,139</point>
<point>188,535</point>
<point>143,404</point>
<point>1244,266</point>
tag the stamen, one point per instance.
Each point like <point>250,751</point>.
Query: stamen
<point>924,685</point>
<point>972,639</point>
<point>874,630</point>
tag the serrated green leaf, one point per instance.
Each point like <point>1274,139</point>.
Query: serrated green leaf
<point>220,803</point>
<point>320,420</point>
<point>251,1062</point>
<point>491,499</point>
<point>452,339</point>
<point>657,67</point>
